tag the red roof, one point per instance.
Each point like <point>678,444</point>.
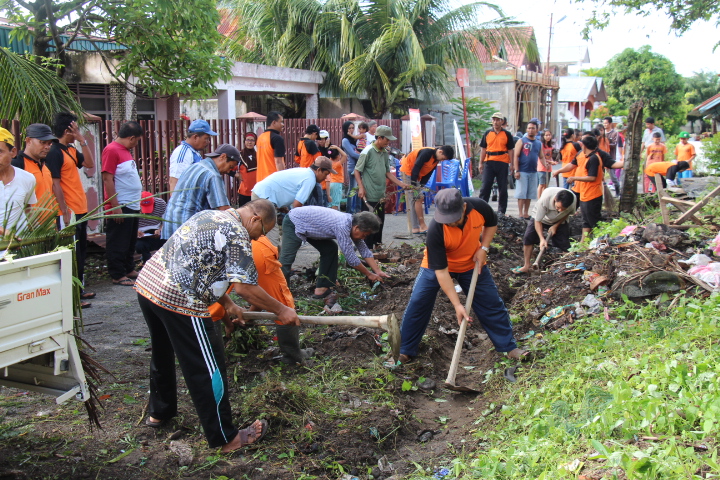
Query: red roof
<point>228,22</point>
<point>714,97</point>
<point>514,52</point>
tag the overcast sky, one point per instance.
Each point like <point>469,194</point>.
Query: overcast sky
<point>691,52</point>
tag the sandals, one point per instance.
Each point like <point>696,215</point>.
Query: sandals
<point>521,355</point>
<point>128,282</point>
<point>245,433</point>
<point>518,271</point>
<point>87,295</point>
<point>154,423</point>
<point>132,274</point>
<point>322,295</point>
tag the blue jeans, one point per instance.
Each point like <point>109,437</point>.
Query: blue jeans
<point>351,206</point>
<point>487,305</point>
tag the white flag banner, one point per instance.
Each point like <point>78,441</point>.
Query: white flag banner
<point>460,155</point>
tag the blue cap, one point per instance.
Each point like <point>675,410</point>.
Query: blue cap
<point>200,126</point>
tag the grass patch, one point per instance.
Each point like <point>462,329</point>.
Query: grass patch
<point>636,397</point>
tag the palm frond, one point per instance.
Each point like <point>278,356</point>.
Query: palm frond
<point>30,92</point>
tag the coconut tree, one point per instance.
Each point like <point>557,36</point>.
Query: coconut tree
<point>31,93</point>
<point>380,50</point>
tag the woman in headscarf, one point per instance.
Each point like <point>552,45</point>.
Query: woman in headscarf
<point>247,170</point>
<point>349,147</point>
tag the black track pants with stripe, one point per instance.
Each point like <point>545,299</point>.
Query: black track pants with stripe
<point>199,350</point>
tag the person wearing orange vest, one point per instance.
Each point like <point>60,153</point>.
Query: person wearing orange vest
<point>64,161</point>
<point>496,158</point>
<point>271,147</point>
<point>458,239</point>
<point>271,279</point>
<point>588,176</point>
<point>307,149</point>
<point>38,140</point>
<point>416,168</point>
<point>667,170</point>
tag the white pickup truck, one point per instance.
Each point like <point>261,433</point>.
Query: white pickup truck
<point>38,351</point>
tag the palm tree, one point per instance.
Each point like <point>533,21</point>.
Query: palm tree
<point>30,92</point>
<point>380,50</point>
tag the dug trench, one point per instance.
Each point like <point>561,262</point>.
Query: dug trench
<point>344,413</point>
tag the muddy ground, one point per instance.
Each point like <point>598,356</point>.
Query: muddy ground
<point>344,413</point>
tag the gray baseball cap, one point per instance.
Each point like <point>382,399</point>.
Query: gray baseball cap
<point>449,205</point>
<point>39,131</point>
<point>385,131</point>
<point>232,153</point>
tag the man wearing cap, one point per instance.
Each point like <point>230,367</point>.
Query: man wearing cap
<point>320,227</point>
<point>496,155</point>
<point>17,187</point>
<point>149,229</point>
<point>307,149</point>
<point>201,188</point>
<point>685,151</point>
<point>38,140</point>
<point>293,187</point>
<point>458,240</point>
<point>185,154</point>
<point>416,168</point>
<point>371,170</point>
<point>122,185</point>
<point>271,147</point>
<point>64,161</point>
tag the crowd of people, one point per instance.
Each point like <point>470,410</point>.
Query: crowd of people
<point>196,248</point>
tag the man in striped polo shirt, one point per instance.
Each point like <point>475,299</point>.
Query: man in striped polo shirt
<point>186,154</point>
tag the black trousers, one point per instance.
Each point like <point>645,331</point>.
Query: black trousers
<point>243,199</point>
<point>492,171</point>
<point>200,353</point>
<point>120,240</point>
<point>328,249</point>
<point>145,245</point>
<point>378,208</point>
<point>81,246</point>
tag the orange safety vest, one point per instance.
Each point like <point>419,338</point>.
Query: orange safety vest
<point>461,243</point>
<point>408,163</point>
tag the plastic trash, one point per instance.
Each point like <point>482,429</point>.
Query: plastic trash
<point>628,230</point>
<point>593,304</point>
<point>697,259</point>
<point>441,473</point>
<point>709,274</point>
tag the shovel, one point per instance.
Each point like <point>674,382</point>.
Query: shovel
<point>450,381</point>
<point>388,323</point>
<point>535,268</point>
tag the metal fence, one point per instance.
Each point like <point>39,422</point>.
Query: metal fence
<point>152,153</point>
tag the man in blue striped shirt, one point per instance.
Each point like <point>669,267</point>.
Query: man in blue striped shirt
<point>319,226</point>
<point>186,154</point>
<point>200,188</point>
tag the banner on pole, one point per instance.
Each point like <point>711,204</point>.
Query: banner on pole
<point>415,128</point>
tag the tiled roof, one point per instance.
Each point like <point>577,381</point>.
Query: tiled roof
<point>228,22</point>
<point>494,45</point>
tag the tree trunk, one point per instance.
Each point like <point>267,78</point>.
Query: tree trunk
<point>633,141</point>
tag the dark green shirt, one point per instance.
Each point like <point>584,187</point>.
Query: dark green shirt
<point>373,164</point>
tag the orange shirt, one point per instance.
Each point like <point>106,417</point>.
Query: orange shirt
<point>70,182</point>
<point>497,145</point>
<point>249,179</point>
<point>658,167</point>
<point>604,144</point>
<point>337,165</point>
<point>270,276</point>
<point>656,153</point>
<point>683,153</point>
<point>305,158</point>
<point>460,244</point>
<point>269,146</point>
<point>589,190</point>
<point>568,153</point>
<point>408,163</point>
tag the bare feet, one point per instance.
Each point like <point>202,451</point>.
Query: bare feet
<point>247,436</point>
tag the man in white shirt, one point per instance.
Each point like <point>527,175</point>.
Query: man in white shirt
<point>17,187</point>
